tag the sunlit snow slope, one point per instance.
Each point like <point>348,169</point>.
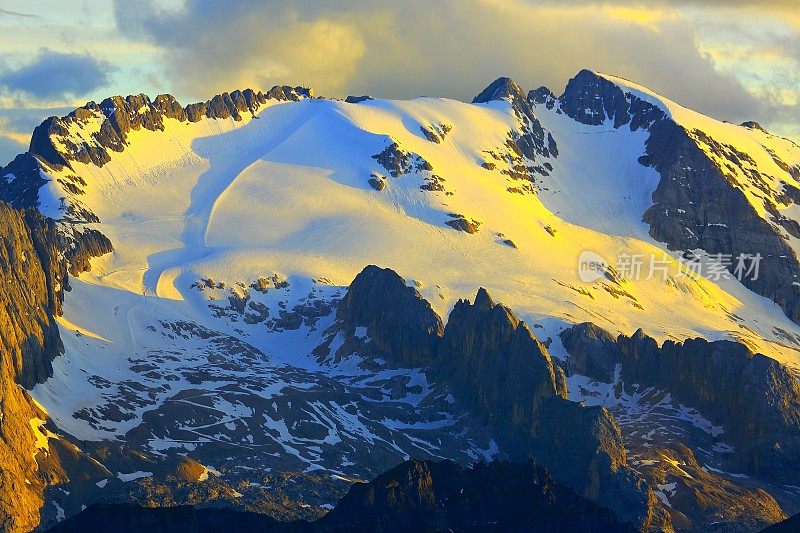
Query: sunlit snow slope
<point>286,192</point>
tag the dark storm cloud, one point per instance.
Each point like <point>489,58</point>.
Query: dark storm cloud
<point>56,75</point>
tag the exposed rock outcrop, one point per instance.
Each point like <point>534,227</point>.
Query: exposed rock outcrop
<point>436,133</point>
<point>696,206</point>
<point>462,223</point>
<point>542,96</point>
<point>529,143</point>
<point>592,99</point>
<point>357,99</point>
<point>753,125</point>
<point>397,161</point>
<point>85,244</point>
<point>394,321</point>
<point>710,501</point>
<point>33,284</point>
<point>23,189</point>
<point>496,364</point>
<point>504,89</point>
<point>592,351</point>
<point>755,398</point>
<point>33,278</point>
<point>377,182</point>
<point>492,361</point>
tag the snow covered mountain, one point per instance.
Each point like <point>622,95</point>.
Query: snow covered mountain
<point>209,320</point>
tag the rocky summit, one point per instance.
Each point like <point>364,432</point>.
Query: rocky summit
<point>269,310</point>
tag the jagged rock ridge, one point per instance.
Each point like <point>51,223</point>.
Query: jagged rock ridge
<point>53,146</point>
<point>416,495</point>
<point>492,362</point>
<point>443,496</point>
<point>755,398</point>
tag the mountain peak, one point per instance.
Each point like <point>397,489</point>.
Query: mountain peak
<point>401,324</point>
<point>505,88</point>
<point>542,95</point>
<point>502,88</point>
<point>753,125</point>
<point>591,98</point>
<point>483,300</point>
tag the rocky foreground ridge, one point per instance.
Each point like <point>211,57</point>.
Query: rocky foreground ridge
<point>34,274</point>
<point>29,340</point>
<point>492,361</point>
<point>416,495</point>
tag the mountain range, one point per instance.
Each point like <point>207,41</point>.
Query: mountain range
<point>264,301</point>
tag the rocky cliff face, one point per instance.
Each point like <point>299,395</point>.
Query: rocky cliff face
<point>755,398</point>
<point>33,270</point>
<point>696,206</point>
<point>496,364</point>
<point>380,316</point>
<point>492,361</point>
<point>33,279</point>
<point>592,99</point>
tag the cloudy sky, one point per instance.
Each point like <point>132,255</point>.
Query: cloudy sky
<point>733,59</point>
